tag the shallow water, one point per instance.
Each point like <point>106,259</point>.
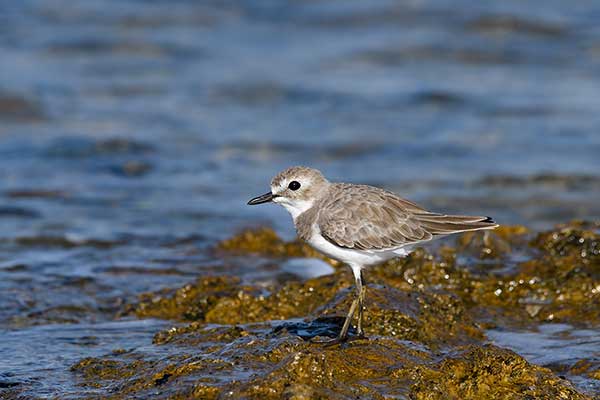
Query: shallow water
<point>132,133</point>
<point>43,365</point>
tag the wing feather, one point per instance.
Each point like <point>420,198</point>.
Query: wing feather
<point>368,218</point>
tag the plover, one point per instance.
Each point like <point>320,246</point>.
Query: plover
<point>359,225</point>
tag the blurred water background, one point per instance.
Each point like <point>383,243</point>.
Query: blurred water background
<point>132,133</point>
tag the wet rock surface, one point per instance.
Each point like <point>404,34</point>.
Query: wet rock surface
<point>426,322</point>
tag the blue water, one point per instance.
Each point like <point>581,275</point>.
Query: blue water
<point>133,132</point>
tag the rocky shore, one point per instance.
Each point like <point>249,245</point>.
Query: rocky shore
<point>426,321</point>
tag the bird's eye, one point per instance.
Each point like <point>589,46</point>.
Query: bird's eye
<point>294,185</point>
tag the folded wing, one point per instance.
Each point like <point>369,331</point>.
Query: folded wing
<point>368,218</point>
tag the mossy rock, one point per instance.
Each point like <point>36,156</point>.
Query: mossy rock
<point>190,302</point>
<point>488,372</point>
<point>265,241</point>
<point>425,317</point>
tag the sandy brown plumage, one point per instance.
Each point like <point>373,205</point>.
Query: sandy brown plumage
<point>369,218</point>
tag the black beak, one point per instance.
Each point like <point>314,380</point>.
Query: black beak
<point>263,198</point>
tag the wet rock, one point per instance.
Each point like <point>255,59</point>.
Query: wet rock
<point>260,93</point>
<point>571,241</point>
<point>18,212</point>
<point>191,302</point>
<point>223,301</point>
<point>560,284</point>
<point>16,268</point>
<point>60,241</point>
<point>139,270</point>
<point>59,314</point>
<point>122,146</point>
<point>96,371</point>
<point>488,372</point>
<point>82,147</point>
<point>131,169</point>
<point>15,108</point>
<point>36,194</point>
<point>248,365</point>
<point>266,242</point>
<point>438,98</point>
<point>391,57</point>
<point>425,318</point>
<point>362,369</point>
<point>430,318</point>
<point>509,24</point>
<point>590,368</point>
<point>294,299</point>
<point>198,332</point>
<point>502,242</point>
<point>8,384</point>
<point>550,180</point>
<point>273,150</point>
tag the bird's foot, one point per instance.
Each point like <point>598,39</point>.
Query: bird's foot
<point>330,342</point>
<point>339,340</point>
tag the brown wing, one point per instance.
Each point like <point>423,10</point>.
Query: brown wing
<point>368,218</point>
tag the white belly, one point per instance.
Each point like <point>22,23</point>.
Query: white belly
<point>355,258</point>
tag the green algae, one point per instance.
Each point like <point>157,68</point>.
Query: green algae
<point>488,372</point>
<point>220,300</point>
<point>265,241</point>
<point>293,299</point>
<point>95,370</point>
<point>586,367</point>
<point>430,318</point>
<point>425,318</point>
<point>559,282</point>
<point>361,369</point>
<point>255,366</point>
<point>190,302</point>
<point>492,244</point>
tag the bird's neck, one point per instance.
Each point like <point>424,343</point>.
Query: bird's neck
<point>297,207</point>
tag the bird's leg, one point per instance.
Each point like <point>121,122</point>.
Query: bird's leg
<point>344,332</point>
<point>361,289</point>
<point>356,303</point>
<point>343,335</point>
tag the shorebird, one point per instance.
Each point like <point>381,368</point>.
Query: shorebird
<point>359,225</point>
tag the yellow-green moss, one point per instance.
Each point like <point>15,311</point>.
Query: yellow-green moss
<point>424,320</point>
<point>266,242</point>
<point>488,372</point>
<point>190,302</point>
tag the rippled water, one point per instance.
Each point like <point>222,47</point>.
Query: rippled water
<point>43,364</point>
<point>133,132</point>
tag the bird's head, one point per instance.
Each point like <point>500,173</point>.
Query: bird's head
<point>295,188</point>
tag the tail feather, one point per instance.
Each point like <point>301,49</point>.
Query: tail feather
<point>439,224</point>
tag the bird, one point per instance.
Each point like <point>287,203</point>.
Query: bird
<point>359,225</point>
